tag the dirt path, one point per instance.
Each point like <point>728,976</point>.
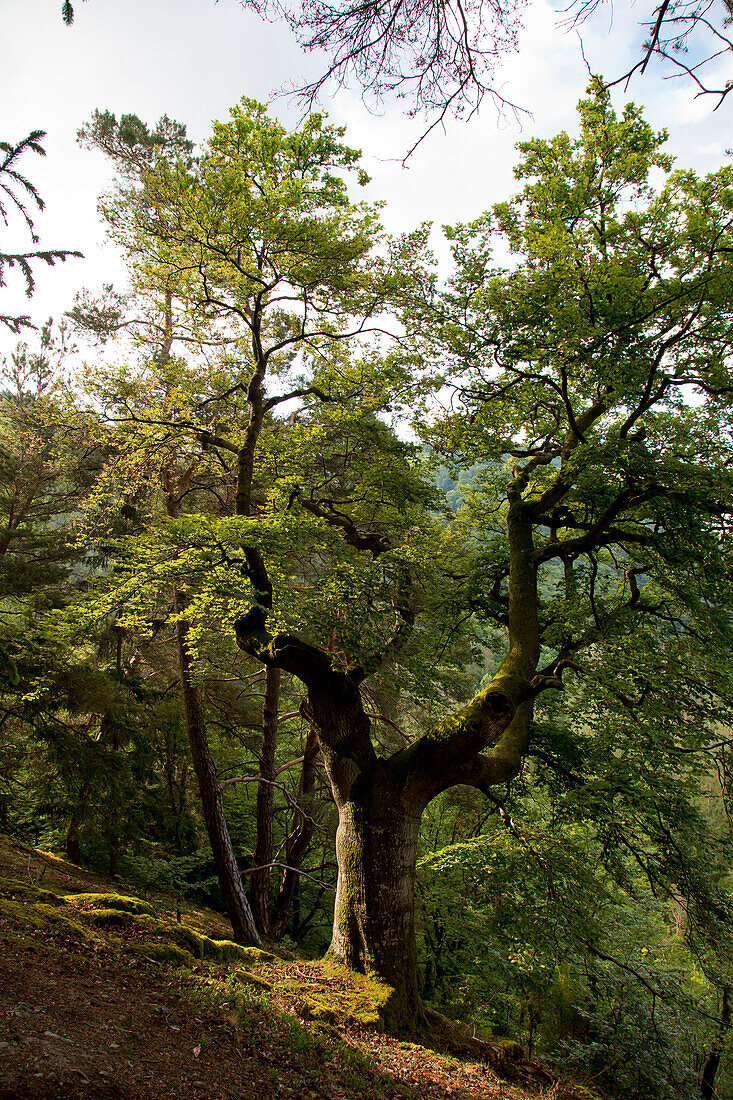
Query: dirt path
<point>82,1026</point>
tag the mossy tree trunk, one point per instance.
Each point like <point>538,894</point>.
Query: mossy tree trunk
<point>374,914</point>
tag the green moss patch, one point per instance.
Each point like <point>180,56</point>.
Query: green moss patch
<point>246,977</point>
<point>328,993</point>
<point>123,902</point>
<point>225,951</point>
<point>22,914</point>
<point>166,932</point>
<point>180,934</point>
<point>162,952</point>
<point>62,923</point>
<point>188,939</point>
<point>42,918</point>
<point>26,891</point>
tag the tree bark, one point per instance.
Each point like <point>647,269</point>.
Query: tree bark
<point>297,844</point>
<point>374,915</point>
<point>259,883</point>
<point>712,1064</point>
<point>212,800</point>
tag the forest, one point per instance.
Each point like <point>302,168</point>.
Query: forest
<point>382,603</point>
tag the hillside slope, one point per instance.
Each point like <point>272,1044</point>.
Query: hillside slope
<point>106,995</point>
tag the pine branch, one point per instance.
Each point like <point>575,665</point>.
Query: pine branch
<point>13,181</point>
<point>22,260</point>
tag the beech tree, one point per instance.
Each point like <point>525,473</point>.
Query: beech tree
<point>572,368</point>
<point>592,382</point>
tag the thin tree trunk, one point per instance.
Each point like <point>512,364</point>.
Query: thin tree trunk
<point>259,883</point>
<point>73,838</point>
<point>298,843</point>
<point>712,1065</point>
<point>212,800</point>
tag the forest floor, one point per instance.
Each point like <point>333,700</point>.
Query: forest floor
<point>103,995</point>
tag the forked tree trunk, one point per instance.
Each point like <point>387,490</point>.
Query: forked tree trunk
<point>212,800</point>
<point>380,801</point>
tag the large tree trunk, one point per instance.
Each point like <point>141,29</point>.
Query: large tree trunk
<point>374,915</point>
<point>212,801</point>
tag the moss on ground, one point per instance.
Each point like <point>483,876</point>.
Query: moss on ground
<point>327,993</point>
<point>246,977</point>
<point>26,891</point>
<point>124,902</point>
<point>34,920</point>
<point>21,913</point>
<point>196,943</point>
<point>61,922</point>
<point>110,918</point>
<point>227,951</point>
<point>161,952</point>
<point>43,918</point>
<point>179,934</point>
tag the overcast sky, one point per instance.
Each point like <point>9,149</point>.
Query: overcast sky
<point>192,59</point>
